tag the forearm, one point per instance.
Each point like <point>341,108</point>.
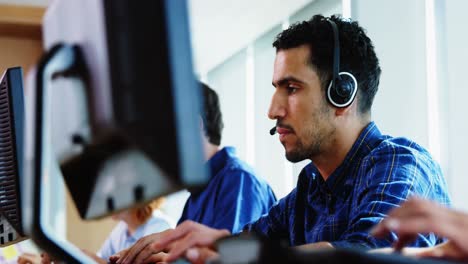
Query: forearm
<point>456,225</point>
<point>315,246</point>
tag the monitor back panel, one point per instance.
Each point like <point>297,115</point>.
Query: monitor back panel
<point>11,129</point>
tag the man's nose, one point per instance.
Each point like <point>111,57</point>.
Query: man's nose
<point>277,109</point>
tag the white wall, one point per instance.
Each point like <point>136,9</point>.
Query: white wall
<point>456,88</point>
<point>220,28</point>
<point>397,30</point>
<point>231,88</point>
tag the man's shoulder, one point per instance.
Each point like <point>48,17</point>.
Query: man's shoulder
<point>236,165</point>
<point>395,147</point>
<point>118,231</point>
<point>408,166</point>
<point>233,164</point>
<point>236,169</point>
<point>401,159</point>
<point>158,222</point>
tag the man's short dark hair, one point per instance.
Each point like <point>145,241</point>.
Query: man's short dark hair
<point>357,52</point>
<point>211,116</point>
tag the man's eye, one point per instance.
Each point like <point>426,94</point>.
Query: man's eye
<point>291,89</point>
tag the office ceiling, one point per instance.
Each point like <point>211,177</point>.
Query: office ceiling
<point>222,27</point>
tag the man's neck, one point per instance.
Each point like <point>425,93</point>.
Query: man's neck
<point>328,161</point>
<point>210,150</point>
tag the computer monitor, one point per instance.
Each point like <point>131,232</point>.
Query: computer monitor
<point>116,104</point>
<point>11,154</point>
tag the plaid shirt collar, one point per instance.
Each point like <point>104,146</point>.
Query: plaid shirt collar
<point>341,180</point>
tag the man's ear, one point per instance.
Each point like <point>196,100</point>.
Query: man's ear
<point>202,126</point>
<point>341,111</point>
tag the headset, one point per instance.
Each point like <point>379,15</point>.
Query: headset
<point>343,85</point>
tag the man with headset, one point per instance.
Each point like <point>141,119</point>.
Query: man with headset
<point>322,105</point>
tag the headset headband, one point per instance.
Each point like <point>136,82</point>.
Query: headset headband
<point>336,51</point>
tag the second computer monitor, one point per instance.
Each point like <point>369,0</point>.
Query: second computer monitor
<point>116,104</point>
<point>11,155</point>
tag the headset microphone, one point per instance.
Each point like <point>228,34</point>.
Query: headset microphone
<point>273,131</point>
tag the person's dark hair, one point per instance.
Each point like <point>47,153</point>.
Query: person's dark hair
<point>211,116</point>
<point>357,54</point>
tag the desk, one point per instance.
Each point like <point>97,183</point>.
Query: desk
<point>248,249</point>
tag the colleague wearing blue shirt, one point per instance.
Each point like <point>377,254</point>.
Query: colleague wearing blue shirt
<point>326,74</point>
<point>234,196</point>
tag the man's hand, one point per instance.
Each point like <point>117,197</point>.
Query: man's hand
<point>28,258</point>
<point>189,235</point>
<point>200,255</point>
<point>315,246</point>
<point>421,216</point>
<point>192,240</point>
<point>140,251</point>
<point>153,258</point>
<point>445,250</point>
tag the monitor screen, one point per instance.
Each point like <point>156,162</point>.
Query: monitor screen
<point>11,154</point>
<point>115,111</point>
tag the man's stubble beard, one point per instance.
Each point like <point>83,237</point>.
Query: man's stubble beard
<point>317,138</point>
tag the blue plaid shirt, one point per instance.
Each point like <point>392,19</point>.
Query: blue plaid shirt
<point>377,174</point>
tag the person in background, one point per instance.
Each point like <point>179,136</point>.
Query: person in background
<point>133,224</point>
<point>234,195</point>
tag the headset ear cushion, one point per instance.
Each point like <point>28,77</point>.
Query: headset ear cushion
<point>345,90</point>
<point>343,87</point>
